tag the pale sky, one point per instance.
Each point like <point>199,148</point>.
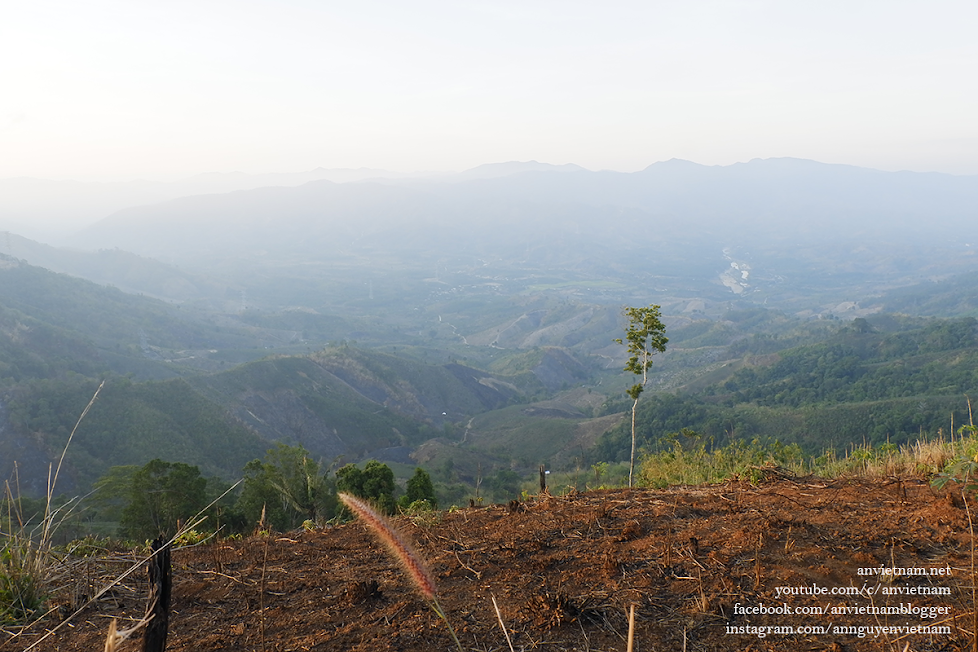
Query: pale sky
<point>99,89</point>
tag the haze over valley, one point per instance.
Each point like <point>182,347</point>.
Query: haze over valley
<point>466,319</point>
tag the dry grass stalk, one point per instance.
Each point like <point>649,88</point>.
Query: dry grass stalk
<point>408,557</point>
<point>631,628</point>
<point>501,624</point>
<point>116,636</point>
<point>757,561</point>
<point>974,597</point>
<point>112,638</point>
<point>261,592</point>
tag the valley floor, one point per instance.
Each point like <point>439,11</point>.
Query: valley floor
<point>700,564</point>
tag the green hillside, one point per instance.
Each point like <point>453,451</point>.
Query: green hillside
<point>130,423</point>
<point>109,317</point>
<point>875,380</point>
<point>864,363</point>
<point>30,348</point>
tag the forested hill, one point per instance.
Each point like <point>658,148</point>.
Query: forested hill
<point>865,363</point>
<point>948,297</point>
<point>881,379</point>
<point>53,323</point>
<point>60,336</point>
<point>337,404</point>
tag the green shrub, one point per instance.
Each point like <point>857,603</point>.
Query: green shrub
<point>21,585</point>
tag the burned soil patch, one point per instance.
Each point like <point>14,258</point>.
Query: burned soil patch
<point>700,564</point>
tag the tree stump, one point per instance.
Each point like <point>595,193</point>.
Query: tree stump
<point>158,609</point>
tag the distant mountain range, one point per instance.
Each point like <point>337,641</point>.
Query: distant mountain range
<point>757,190</point>
<point>50,210</point>
<point>784,197</point>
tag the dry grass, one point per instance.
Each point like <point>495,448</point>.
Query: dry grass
<point>752,461</point>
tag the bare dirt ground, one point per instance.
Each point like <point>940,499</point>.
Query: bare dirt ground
<point>564,570</point>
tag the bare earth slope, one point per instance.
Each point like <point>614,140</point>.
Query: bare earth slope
<point>565,569</point>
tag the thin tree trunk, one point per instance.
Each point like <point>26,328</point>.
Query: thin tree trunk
<point>631,465</point>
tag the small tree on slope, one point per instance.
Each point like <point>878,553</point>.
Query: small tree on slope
<point>644,337</point>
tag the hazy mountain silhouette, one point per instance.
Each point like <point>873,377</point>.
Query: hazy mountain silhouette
<point>50,209</point>
<point>496,170</point>
<point>774,198</point>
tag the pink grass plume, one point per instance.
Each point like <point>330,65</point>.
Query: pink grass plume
<point>408,556</point>
<point>405,554</point>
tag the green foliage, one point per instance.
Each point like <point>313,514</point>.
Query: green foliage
<point>503,485</point>
<point>599,470</point>
<point>692,461</point>
<point>398,380</point>
<point>21,593</point>
<point>813,427</point>
<point>52,324</point>
<point>947,298</point>
<point>92,545</point>
<point>963,469</point>
<point>30,348</point>
<point>100,314</point>
<point>517,433</point>
<point>644,336</point>
<point>375,482</point>
<point>660,414</point>
<point>111,492</point>
<point>451,493</point>
<point>160,495</point>
<point>27,565</point>
<point>419,489</point>
<point>24,509</point>
<point>192,537</point>
<point>289,486</point>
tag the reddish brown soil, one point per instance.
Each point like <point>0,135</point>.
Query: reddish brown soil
<point>564,570</point>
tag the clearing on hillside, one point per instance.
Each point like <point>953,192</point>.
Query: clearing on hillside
<point>790,564</point>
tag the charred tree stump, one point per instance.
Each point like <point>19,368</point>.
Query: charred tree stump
<point>158,610</point>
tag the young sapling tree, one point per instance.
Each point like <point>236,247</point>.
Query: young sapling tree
<point>645,336</point>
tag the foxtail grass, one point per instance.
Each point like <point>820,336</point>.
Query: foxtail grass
<point>406,555</point>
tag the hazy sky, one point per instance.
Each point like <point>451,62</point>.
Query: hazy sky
<point>131,88</point>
